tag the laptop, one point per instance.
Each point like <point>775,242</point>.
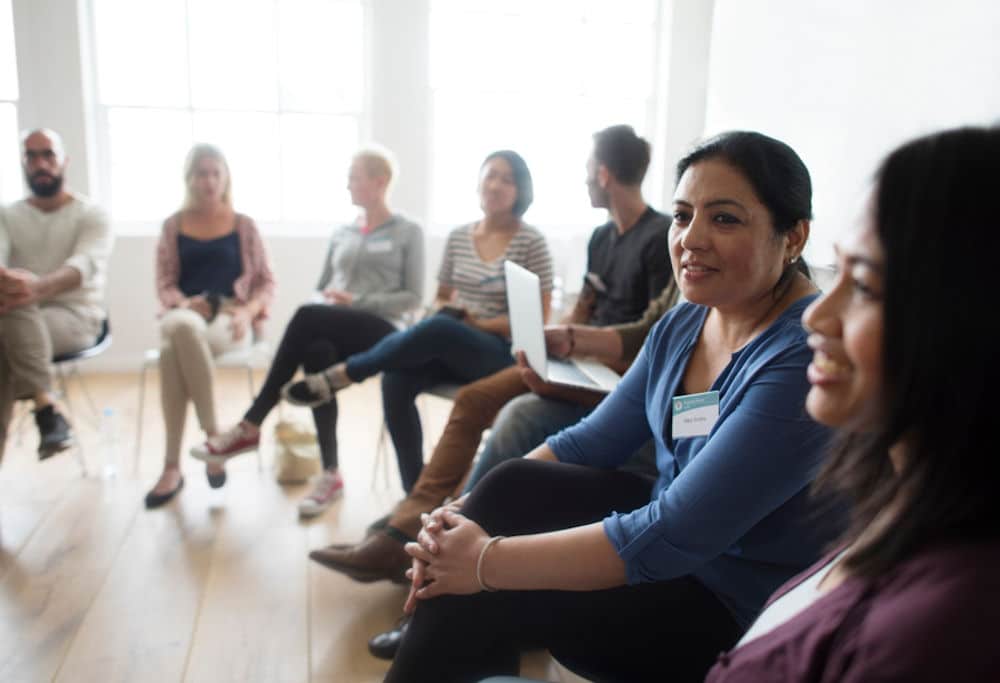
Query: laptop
<point>524,303</point>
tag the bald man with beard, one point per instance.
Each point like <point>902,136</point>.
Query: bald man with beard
<point>54,249</point>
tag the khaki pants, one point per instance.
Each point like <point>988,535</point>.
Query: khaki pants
<point>188,346</point>
<point>29,337</point>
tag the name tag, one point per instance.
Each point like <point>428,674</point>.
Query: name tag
<point>379,247</point>
<point>695,414</point>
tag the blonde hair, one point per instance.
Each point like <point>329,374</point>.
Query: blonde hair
<point>378,162</point>
<point>200,151</point>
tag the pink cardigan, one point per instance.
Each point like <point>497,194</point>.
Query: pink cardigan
<point>255,282</point>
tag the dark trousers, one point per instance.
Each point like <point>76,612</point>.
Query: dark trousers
<point>664,631</point>
<point>318,336</point>
<point>436,350</point>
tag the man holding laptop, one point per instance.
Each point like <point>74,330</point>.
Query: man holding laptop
<point>627,267</point>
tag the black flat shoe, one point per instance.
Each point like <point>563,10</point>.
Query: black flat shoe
<point>385,645</point>
<point>216,481</point>
<point>155,500</point>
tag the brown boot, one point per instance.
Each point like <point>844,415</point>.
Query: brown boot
<point>377,558</point>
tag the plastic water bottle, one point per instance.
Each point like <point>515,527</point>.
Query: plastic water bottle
<point>109,444</point>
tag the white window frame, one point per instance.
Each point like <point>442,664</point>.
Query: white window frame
<point>103,138</point>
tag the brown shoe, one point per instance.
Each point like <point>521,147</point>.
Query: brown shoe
<point>377,558</point>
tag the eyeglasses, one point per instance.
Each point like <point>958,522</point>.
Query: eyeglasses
<point>32,155</point>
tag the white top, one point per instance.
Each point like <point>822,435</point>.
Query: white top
<point>790,604</point>
<point>76,235</point>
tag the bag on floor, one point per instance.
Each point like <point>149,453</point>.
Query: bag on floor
<point>296,453</point>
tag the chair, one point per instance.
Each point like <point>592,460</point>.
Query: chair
<point>445,390</point>
<point>66,365</point>
<point>240,358</point>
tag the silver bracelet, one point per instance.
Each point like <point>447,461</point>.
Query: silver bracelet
<point>479,564</point>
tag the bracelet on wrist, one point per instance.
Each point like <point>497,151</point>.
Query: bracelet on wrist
<point>479,565</point>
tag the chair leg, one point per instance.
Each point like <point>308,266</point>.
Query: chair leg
<point>260,458</point>
<point>94,413</point>
<point>78,444</point>
<point>381,458</point>
<point>138,420</point>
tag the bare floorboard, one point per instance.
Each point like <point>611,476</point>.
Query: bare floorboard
<point>216,586</point>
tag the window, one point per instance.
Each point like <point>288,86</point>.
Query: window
<point>10,168</point>
<point>538,78</point>
<point>277,84</point>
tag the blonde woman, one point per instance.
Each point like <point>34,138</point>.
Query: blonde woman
<point>215,285</point>
<point>372,275</point>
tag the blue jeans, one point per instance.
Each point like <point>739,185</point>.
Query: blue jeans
<point>437,350</point>
<point>521,425</point>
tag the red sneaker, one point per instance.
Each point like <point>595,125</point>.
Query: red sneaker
<point>219,448</point>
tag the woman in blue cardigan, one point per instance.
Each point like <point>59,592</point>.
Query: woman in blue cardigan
<point>625,578</point>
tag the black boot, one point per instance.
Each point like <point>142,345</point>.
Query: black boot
<point>55,434</point>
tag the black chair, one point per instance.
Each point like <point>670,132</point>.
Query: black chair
<point>66,366</point>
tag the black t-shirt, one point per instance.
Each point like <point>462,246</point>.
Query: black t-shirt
<point>625,271</point>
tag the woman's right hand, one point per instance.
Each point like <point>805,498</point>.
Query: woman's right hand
<point>199,305</point>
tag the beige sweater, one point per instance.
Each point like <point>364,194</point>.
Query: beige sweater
<point>76,235</point>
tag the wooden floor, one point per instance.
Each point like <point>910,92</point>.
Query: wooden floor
<point>215,586</point>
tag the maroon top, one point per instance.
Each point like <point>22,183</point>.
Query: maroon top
<point>936,617</point>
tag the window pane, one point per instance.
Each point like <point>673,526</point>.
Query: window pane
<point>315,153</point>
<point>141,52</point>
<point>545,103</point>
<point>553,136</point>
<point>472,51</point>
<point>233,61</point>
<point>10,170</point>
<point>321,55</point>
<point>250,143</point>
<point>8,63</point>
<point>148,147</point>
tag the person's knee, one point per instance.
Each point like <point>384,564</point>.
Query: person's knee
<point>515,421</point>
<point>181,323</point>
<point>510,475</point>
<point>319,355</point>
<point>437,326</point>
<point>307,315</point>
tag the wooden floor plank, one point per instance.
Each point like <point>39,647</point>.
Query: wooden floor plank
<point>51,583</point>
<point>253,625</point>
<point>141,624</point>
<point>216,586</point>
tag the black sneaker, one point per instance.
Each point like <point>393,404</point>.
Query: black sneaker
<point>55,434</point>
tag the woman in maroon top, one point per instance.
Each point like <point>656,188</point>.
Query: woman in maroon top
<point>904,364</point>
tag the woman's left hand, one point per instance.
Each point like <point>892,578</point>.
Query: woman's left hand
<point>239,321</point>
<point>448,547</point>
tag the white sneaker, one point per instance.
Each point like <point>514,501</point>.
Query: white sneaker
<point>329,487</point>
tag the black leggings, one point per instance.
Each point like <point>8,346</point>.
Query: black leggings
<point>664,631</point>
<point>318,336</point>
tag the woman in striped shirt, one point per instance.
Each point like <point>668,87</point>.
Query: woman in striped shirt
<point>468,337</point>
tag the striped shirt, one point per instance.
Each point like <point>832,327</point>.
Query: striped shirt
<point>479,285</point>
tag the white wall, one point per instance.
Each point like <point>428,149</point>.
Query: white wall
<point>844,82</point>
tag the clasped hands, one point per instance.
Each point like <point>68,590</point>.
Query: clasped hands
<point>18,287</point>
<point>444,555</point>
<point>240,319</point>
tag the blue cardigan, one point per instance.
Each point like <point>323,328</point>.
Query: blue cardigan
<point>730,508</point>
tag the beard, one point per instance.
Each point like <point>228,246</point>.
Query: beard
<point>42,189</point>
